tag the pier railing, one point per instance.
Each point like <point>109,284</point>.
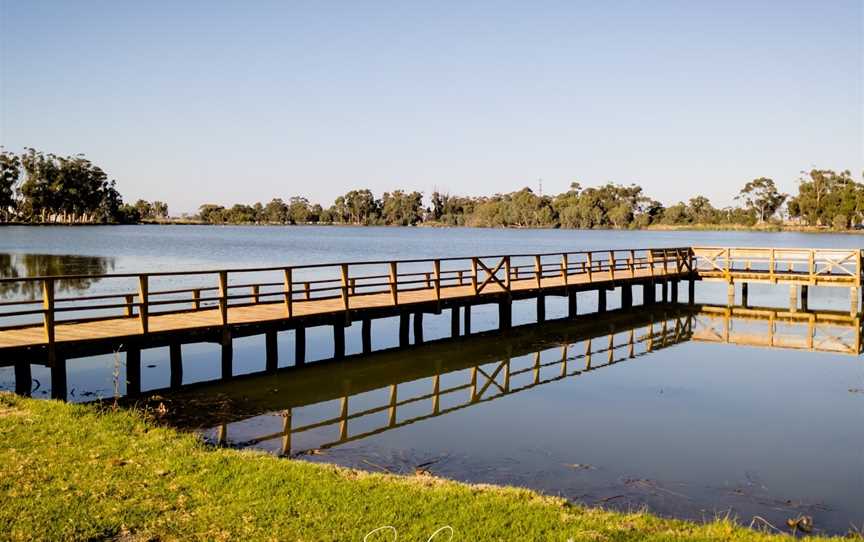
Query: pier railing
<point>816,266</point>
<point>143,296</point>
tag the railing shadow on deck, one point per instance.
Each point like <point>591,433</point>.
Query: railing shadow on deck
<point>489,366</point>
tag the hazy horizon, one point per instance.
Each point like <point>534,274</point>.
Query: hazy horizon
<point>223,103</point>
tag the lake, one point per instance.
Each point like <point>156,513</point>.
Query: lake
<point>638,408</point>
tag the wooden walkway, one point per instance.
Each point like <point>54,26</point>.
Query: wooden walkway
<point>123,311</point>
<point>357,290</point>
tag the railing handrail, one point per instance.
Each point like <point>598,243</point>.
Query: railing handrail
<point>320,265</point>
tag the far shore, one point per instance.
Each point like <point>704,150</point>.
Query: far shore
<point>763,228</point>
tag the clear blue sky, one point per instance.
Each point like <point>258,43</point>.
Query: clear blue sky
<point>228,102</point>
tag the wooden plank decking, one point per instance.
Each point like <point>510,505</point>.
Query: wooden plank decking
<point>218,301</point>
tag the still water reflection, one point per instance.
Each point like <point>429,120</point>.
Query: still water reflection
<point>664,408</point>
<point>40,265</point>
<point>690,414</point>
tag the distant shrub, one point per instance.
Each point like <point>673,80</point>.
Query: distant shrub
<point>841,222</point>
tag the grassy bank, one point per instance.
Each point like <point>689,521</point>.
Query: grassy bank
<point>69,472</point>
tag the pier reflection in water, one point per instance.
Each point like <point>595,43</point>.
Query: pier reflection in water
<point>697,430</point>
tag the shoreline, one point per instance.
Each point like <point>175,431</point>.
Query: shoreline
<point>773,228</point>
<point>116,474</point>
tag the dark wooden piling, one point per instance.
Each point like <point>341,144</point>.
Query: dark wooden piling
<point>418,327</point>
<point>133,370</point>
<point>176,360</point>
<point>366,335</point>
<point>227,366</point>
<point>626,296</point>
<point>664,291</point>
<point>691,291</point>
<point>467,321</point>
<point>745,294</point>
<point>505,314</point>
<point>572,308</point>
<point>299,346</point>
<point>58,378</point>
<point>23,378</point>
<point>454,321</point>
<point>339,338</point>
<point>541,308</point>
<point>271,347</point>
<point>674,286</point>
<point>404,329</point>
<point>805,292</point>
<point>601,300</point>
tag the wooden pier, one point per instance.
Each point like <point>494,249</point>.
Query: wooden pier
<point>131,312</point>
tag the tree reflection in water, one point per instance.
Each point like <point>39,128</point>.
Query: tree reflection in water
<point>36,265</point>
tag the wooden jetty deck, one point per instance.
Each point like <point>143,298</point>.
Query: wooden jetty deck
<point>129,312</point>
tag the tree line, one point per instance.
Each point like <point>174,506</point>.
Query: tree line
<point>825,198</point>
<point>39,187</point>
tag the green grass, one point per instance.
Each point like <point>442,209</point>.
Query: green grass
<point>71,472</point>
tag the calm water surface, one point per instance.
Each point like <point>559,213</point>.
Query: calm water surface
<point>687,427</point>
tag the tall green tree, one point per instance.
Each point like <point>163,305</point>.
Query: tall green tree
<point>762,197</point>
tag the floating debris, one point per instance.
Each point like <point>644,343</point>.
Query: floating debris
<point>580,466</point>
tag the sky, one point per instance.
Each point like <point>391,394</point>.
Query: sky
<point>223,102</point>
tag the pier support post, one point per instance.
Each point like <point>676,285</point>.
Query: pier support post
<point>793,297</point>
<point>454,321</point>
<point>176,355</point>
<point>299,346</point>
<point>418,327</point>
<point>366,335</point>
<point>227,357</point>
<point>601,300</point>
<point>133,370</point>
<point>648,293</point>
<point>271,347</point>
<point>805,293</point>
<point>664,291</point>
<point>404,318</point>
<point>23,378</point>
<point>541,308</point>
<point>730,294</point>
<point>626,296</point>
<point>467,321</point>
<point>853,297</point>
<point>674,286</point>
<point>58,378</point>
<point>745,287</point>
<point>572,308</point>
<point>338,338</point>
<point>505,316</point>
<point>691,291</point>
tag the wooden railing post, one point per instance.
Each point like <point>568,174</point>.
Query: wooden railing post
<point>632,264</point>
<point>507,270</point>
<point>394,283</point>
<point>196,299</point>
<point>255,293</point>
<point>223,297</point>
<point>612,264</point>
<point>436,270</point>
<point>538,271</point>
<point>143,307</point>
<point>344,268</point>
<point>474,275</point>
<point>590,265</point>
<point>287,289</point>
<point>811,267</point>
<point>48,317</point>
<point>307,290</point>
<point>651,260</point>
<point>129,299</point>
<point>565,269</point>
<point>770,264</point>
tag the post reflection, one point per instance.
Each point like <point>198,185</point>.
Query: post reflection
<point>412,387</point>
